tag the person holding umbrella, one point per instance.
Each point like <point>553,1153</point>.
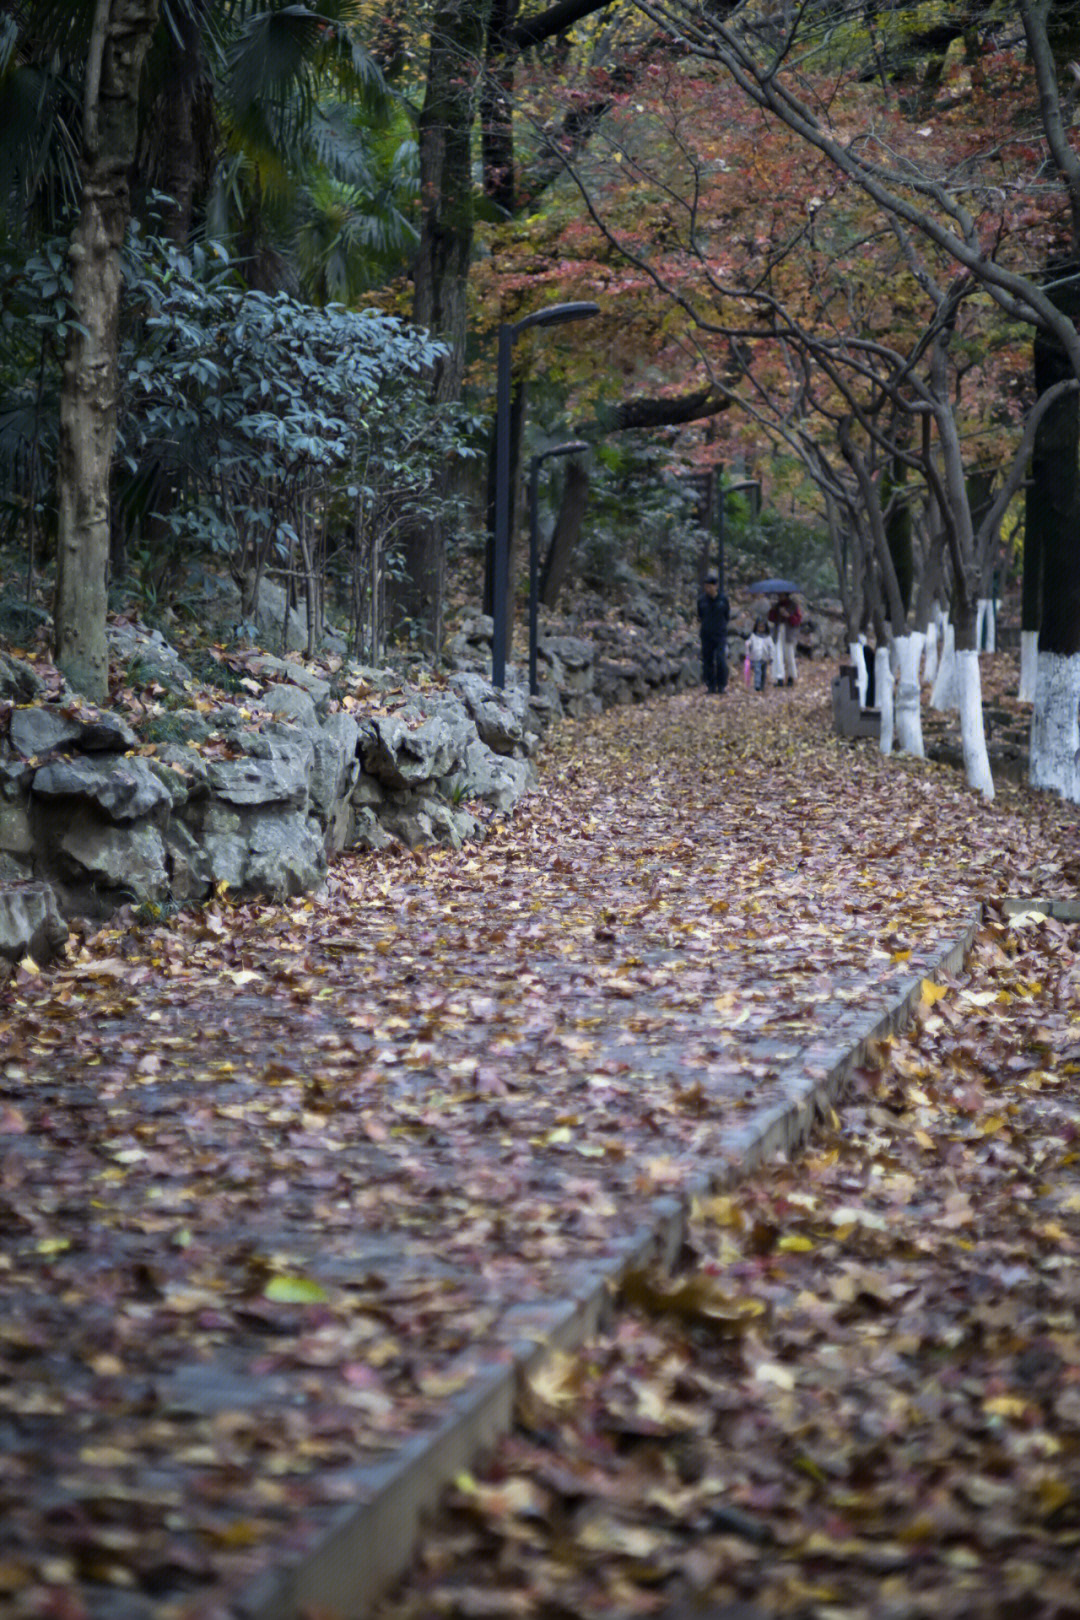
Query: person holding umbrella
<point>786,616</point>
<point>713,611</point>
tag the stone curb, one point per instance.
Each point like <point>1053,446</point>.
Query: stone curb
<point>355,1561</point>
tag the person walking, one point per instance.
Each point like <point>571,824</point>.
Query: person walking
<point>713,611</point>
<point>786,616</point>
<point>759,652</point>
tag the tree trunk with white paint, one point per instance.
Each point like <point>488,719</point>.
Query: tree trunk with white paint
<point>985,626</point>
<point>883,696</point>
<point>857,649</point>
<point>972,731</point>
<point>1029,665</point>
<point>930,665</point>
<point>945,694</point>
<point>909,737</point>
<point>1055,732</point>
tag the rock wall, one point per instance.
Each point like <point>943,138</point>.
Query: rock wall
<point>99,809</point>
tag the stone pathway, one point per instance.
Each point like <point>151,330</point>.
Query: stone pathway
<point>288,1210</point>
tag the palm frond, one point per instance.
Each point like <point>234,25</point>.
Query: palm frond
<point>342,149</point>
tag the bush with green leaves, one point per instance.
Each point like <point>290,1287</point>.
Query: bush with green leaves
<point>771,546</point>
<point>641,520</point>
<point>35,316</point>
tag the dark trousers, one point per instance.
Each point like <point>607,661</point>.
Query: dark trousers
<point>714,671</point>
<point>758,667</point>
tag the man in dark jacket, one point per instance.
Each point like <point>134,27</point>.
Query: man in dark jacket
<point>714,610</point>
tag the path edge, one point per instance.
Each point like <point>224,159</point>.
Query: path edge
<point>354,1562</point>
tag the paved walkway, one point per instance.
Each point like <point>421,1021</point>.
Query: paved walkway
<point>290,1203</point>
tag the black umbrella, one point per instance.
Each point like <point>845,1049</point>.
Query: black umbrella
<point>772,587</point>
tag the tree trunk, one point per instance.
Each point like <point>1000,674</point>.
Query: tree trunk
<point>496,117</point>
<point>442,265</point>
<point>566,534</point>
<point>184,76</point>
<point>972,730</point>
<point>1054,507</point>
<point>1055,734</point>
<point>898,530</point>
<point>119,41</point>
<point>883,696</point>
<point>909,737</point>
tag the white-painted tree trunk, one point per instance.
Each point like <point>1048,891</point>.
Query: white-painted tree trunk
<point>909,737</point>
<point>778,656</point>
<point>883,696</point>
<point>857,649</point>
<point>930,665</point>
<point>982,610</point>
<point>945,694</point>
<point>1029,665</point>
<point>1055,732</point>
<point>972,730</point>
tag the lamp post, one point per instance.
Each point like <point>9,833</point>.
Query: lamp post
<point>721,505</point>
<point>535,464</point>
<point>550,316</point>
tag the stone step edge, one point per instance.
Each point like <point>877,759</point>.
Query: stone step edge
<point>372,1544</point>
<point>1062,910</point>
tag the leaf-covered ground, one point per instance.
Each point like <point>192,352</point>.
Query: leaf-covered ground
<point>861,1398</point>
<point>270,1174</point>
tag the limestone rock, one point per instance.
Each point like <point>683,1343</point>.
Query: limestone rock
<point>190,867</point>
<point>30,923</point>
<point>130,860</point>
<point>148,655</point>
<point>16,837</point>
<point>19,682</point>
<point>499,716</point>
<point>286,856</point>
<point>290,703</point>
<point>288,670</point>
<point>122,789</point>
<point>401,757</point>
<point>39,730</point>
<point>271,771</point>
<point>496,780</point>
<point>182,772</point>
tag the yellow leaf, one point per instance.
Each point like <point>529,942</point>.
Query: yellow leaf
<point>1005,1406</point>
<point>795,1243</point>
<point>719,1212</point>
<point>294,1291</point>
<point>28,965</point>
<point>241,1533</point>
<point>1054,1494</point>
<point>245,976</point>
<point>932,992</point>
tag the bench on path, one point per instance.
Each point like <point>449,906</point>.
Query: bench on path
<point>849,718</point>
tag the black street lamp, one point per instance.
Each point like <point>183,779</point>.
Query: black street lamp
<point>721,507</point>
<point>534,546</point>
<point>550,316</point>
